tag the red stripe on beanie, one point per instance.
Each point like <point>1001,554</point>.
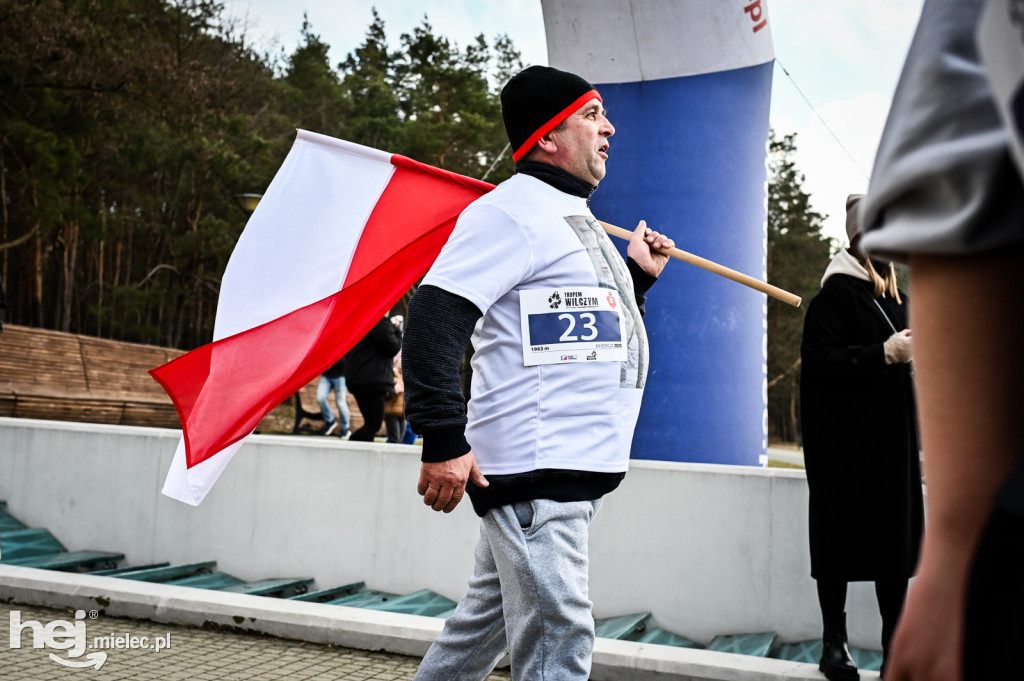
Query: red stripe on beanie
<point>550,125</point>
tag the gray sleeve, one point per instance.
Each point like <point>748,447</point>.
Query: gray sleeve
<point>943,180</point>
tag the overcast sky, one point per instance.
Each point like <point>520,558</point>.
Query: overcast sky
<point>844,56</point>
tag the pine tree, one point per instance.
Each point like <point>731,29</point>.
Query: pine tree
<point>127,127</point>
<point>370,101</point>
<point>798,253</point>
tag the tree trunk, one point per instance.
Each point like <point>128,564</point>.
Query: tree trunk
<point>792,415</point>
<point>99,292</point>
<point>37,263</point>
<point>37,281</point>
<point>70,261</point>
<point>3,215</point>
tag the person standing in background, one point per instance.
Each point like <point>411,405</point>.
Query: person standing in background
<point>370,374</point>
<point>866,509</point>
<point>394,406</point>
<point>333,379</point>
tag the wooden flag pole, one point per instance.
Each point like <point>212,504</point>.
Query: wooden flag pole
<point>773,291</point>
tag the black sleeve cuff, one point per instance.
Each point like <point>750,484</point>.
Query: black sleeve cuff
<point>642,279</point>
<point>444,445</point>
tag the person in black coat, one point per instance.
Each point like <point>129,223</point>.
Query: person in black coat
<point>861,452</point>
<point>370,374</point>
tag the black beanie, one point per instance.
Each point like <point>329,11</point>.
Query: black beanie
<point>537,99</point>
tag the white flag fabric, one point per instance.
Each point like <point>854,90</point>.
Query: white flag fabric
<point>342,232</point>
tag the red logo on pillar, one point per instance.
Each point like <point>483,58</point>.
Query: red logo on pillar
<point>756,14</point>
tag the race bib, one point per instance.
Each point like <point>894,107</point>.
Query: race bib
<point>579,324</point>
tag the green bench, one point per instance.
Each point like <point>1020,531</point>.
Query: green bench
<point>36,547</point>
<point>212,580</point>
<point>27,543</point>
<point>637,627</point>
<point>81,561</point>
<point>756,644</point>
<point>9,522</point>
<point>274,588</point>
<point>423,602</point>
<point>621,627</point>
<point>810,652</point>
<point>324,595</point>
<point>661,637</point>
<point>363,599</point>
<point>118,571</point>
<point>203,576</point>
<point>168,572</point>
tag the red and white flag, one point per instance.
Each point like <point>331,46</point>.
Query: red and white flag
<point>342,232</point>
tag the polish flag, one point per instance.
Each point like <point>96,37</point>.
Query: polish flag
<point>342,232</point>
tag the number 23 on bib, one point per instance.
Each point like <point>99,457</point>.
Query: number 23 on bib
<point>572,324</point>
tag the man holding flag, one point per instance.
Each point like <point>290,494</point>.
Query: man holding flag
<point>559,368</point>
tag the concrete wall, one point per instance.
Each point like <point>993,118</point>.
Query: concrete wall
<point>707,549</point>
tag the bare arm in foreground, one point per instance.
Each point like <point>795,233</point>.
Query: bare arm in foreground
<point>968,335</point>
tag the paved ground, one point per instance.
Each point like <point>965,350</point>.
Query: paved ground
<point>188,654</point>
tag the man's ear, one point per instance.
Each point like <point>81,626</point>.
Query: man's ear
<point>547,142</point>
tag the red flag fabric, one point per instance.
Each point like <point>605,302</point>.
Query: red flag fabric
<point>341,234</point>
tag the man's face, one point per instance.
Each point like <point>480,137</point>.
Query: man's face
<point>582,143</point>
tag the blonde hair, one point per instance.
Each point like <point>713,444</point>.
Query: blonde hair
<point>883,283</point>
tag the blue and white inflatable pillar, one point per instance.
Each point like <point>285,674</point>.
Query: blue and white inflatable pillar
<point>687,84</point>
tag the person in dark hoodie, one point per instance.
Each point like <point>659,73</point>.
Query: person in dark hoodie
<point>529,274</point>
<point>860,443</point>
<point>369,375</point>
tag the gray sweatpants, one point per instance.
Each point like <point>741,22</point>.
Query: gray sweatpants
<point>528,596</point>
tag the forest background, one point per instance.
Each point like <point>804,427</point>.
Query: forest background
<point>129,127</point>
